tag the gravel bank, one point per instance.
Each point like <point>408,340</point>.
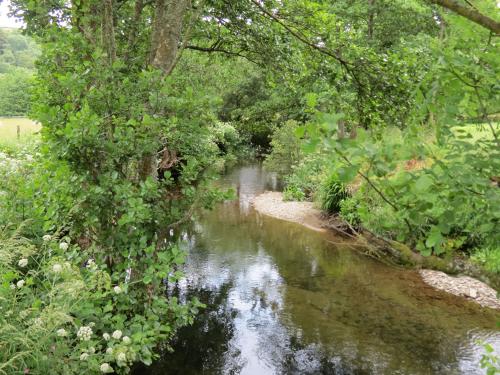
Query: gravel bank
<point>272,204</point>
<point>463,286</point>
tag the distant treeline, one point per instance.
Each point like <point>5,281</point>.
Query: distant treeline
<point>17,63</point>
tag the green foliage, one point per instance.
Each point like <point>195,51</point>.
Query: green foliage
<point>17,62</point>
<point>306,177</point>
<point>432,191</point>
<point>15,89</point>
<point>61,318</point>
<point>286,150</point>
<point>293,192</point>
<point>490,361</point>
<point>127,154</point>
<point>17,51</point>
<point>130,146</point>
<point>331,194</point>
<point>349,211</point>
<point>489,258</point>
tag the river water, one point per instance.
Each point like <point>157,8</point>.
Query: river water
<point>282,299</point>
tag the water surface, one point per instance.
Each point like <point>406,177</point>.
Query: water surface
<point>282,299</point>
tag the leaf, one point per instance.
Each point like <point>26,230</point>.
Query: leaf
<point>347,174</point>
<point>300,131</point>
<point>435,238</point>
<point>310,146</point>
<point>424,182</point>
<point>311,99</point>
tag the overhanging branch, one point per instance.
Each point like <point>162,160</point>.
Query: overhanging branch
<point>471,14</point>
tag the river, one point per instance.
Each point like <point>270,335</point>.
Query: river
<point>282,299</point>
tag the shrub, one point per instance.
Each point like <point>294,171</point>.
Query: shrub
<point>61,318</point>
<point>293,193</point>
<point>349,211</point>
<point>331,194</point>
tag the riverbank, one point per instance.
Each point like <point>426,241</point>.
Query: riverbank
<point>304,213</point>
<point>272,204</point>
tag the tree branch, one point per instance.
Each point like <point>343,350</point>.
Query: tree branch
<point>471,14</point>
<point>345,64</point>
<point>221,50</point>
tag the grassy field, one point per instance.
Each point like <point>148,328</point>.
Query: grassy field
<point>8,130</point>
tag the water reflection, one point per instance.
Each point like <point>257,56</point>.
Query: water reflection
<point>282,300</point>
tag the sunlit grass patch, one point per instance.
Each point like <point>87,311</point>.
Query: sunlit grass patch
<point>9,133</point>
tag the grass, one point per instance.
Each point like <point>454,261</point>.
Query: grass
<point>489,258</point>
<point>8,131</point>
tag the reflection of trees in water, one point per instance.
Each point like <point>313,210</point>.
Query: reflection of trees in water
<point>203,347</point>
<point>308,360</point>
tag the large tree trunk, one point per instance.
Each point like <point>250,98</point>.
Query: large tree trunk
<point>165,39</point>
<point>471,14</point>
<point>167,28</point>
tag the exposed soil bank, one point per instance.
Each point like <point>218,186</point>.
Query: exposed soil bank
<point>272,204</point>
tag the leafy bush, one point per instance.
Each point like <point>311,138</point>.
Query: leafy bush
<point>293,193</point>
<point>331,194</point>
<point>306,177</point>
<point>349,211</point>
<point>61,318</point>
<point>15,89</point>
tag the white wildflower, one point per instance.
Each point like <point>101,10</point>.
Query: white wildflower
<point>109,351</point>
<point>117,289</point>
<point>84,357</point>
<point>20,283</point>
<point>126,340</point>
<point>23,262</point>
<point>91,350</point>
<point>12,286</point>
<point>47,238</point>
<point>57,268</point>
<point>106,368</point>
<point>91,264</point>
<point>121,357</point>
<point>61,332</point>
<point>106,336</point>
<point>117,334</point>
<point>84,333</point>
<point>63,246</point>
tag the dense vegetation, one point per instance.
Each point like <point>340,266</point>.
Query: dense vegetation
<point>370,107</point>
<point>17,63</point>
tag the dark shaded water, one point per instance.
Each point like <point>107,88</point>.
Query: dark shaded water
<point>282,299</point>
